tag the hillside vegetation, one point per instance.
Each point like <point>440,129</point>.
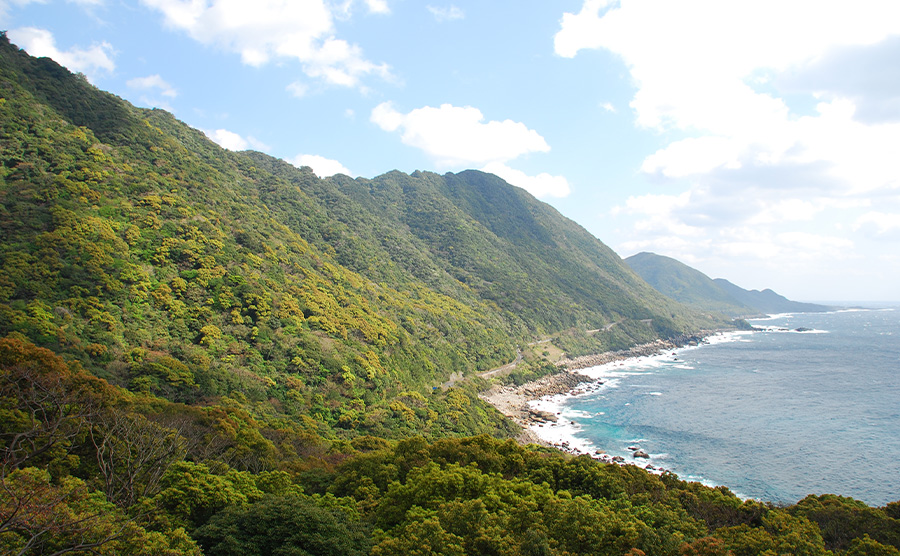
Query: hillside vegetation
<point>204,351</point>
<point>687,285</point>
<point>170,266</point>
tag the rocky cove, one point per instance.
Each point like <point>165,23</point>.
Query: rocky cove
<point>513,401</point>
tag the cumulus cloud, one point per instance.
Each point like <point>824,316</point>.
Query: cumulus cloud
<point>234,141</point>
<point>541,185</point>
<point>298,89</point>
<point>40,43</point>
<point>711,70</point>
<point>879,224</point>
<point>272,29</point>
<point>868,75</point>
<point>153,83</point>
<point>446,13</point>
<point>775,114</point>
<point>378,6</point>
<point>323,167</point>
<point>455,136</point>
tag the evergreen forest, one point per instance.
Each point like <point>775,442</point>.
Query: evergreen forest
<point>214,352</point>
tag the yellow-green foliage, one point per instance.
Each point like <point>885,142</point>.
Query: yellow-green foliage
<point>217,473</point>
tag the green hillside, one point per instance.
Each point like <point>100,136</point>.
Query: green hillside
<point>168,265</point>
<point>686,285</point>
<point>767,301</point>
<point>691,287</point>
<point>209,352</point>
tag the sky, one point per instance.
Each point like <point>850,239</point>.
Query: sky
<point>754,141</point>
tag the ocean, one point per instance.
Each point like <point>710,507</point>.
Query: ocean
<point>810,405</point>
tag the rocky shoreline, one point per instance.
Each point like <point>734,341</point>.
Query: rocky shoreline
<point>643,350</point>
<point>513,401</point>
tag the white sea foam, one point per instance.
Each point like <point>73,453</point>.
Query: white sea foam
<point>773,317</point>
<point>565,432</point>
<point>785,330</point>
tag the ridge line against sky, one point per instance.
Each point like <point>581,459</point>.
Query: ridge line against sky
<point>755,141</point>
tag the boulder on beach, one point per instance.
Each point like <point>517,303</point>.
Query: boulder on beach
<point>539,415</point>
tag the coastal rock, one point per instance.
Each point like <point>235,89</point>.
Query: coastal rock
<point>538,415</point>
<point>641,454</point>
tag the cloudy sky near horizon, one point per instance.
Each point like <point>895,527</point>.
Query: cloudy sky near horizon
<point>755,141</point>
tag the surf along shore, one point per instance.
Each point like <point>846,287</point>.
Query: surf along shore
<point>514,401</point>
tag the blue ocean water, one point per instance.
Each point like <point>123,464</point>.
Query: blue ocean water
<point>772,415</point>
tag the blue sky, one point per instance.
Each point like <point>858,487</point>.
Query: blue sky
<point>756,141</point>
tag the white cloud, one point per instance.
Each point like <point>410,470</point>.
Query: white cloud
<point>228,139</point>
<point>541,185</point>
<point>788,210</point>
<point>878,224</point>
<point>152,82</point>
<point>608,106</point>
<point>448,13</point>
<point>705,68</point>
<point>813,246</point>
<point>378,6</point>
<point>40,43</point>
<point>323,167</point>
<point>459,136</point>
<point>298,89</point>
<point>260,31</point>
<point>234,141</point>
<point>775,115</point>
<point>343,9</point>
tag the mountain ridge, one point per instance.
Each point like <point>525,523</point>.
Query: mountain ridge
<point>690,286</point>
<point>146,248</point>
<point>204,351</point>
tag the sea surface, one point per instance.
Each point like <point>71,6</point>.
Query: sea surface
<point>773,415</point>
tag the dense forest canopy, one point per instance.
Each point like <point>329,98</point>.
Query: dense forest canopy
<point>203,350</point>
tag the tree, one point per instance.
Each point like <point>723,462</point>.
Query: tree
<point>133,453</point>
<point>289,525</point>
<point>46,406</point>
<point>423,535</point>
<point>38,517</point>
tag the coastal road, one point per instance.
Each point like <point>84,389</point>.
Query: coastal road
<point>456,377</point>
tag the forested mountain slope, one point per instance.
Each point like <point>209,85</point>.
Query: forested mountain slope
<point>213,352</point>
<point>767,301</point>
<point>686,285</point>
<point>691,287</point>
<point>169,265</point>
